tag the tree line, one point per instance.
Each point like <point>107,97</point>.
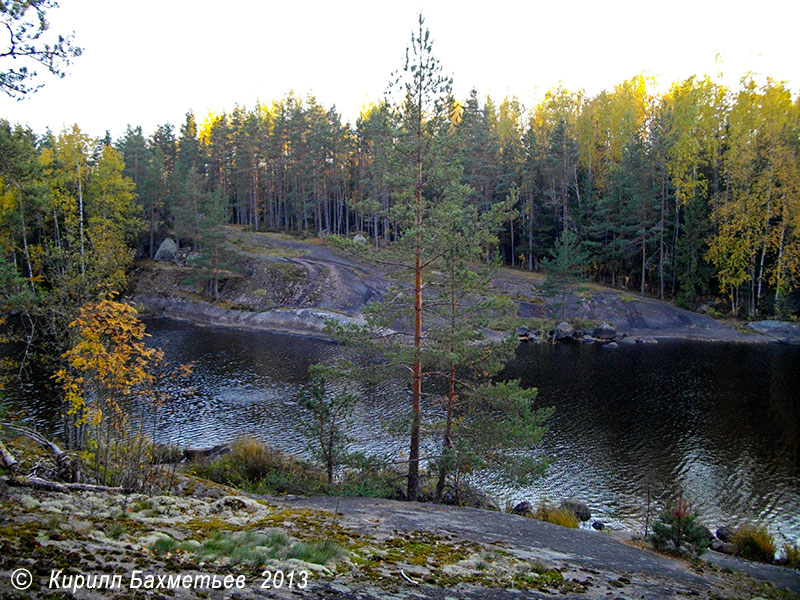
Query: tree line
<point>692,194</point>
<point>688,195</point>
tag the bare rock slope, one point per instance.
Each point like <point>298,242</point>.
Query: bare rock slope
<point>285,284</point>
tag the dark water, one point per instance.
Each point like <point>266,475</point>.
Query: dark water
<point>718,422</point>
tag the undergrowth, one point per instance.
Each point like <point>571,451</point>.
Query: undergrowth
<point>255,468</point>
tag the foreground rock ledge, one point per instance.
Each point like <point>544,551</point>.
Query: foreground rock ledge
<point>389,549</point>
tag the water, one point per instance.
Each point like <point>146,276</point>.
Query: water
<point>719,423</point>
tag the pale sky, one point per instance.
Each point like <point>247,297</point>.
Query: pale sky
<point>148,62</point>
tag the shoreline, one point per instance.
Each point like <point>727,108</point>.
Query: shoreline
<point>310,322</point>
<point>299,322</point>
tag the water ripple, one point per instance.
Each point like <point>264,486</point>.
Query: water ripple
<point>719,423</point>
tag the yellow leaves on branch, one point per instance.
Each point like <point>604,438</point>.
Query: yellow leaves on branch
<point>108,360</point>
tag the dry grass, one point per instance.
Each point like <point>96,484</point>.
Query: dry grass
<point>792,554</point>
<point>557,516</point>
<point>754,542</point>
<point>522,273</point>
<point>254,467</point>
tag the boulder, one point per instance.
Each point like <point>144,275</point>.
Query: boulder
<point>598,525</point>
<point>612,345</point>
<point>523,333</point>
<point>725,534</point>
<point>524,508</point>
<point>587,339</point>
<point>564,331</point>
<point>207,454</point>
<point>716,545</point>
<point>359,239</point>
<point>604,331</point>
<point>728,548</point>
<point>468,495</point>
<point>167,251</point>
<point>578,508</point>
<point>627,341</point>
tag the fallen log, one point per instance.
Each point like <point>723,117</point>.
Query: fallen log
<point>36,437</point>
<point>66,468</point>
<point>57,486</point>
<point>7,459</point>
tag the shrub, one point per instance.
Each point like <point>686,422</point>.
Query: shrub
<point>677,530</point>
<point>368,476</point>
<point>254,467</point>
<point>754,542</point>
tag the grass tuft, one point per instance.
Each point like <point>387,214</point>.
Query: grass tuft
<point>316,552</point>
<point>754,542</point>
<point>557,516</point>
<point>163,545</point>
<point>792,554</point>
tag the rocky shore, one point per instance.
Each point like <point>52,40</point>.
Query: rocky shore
<point>287,285</point>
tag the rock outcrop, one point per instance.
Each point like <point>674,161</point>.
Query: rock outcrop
<point>604,331</point>
<point>578,508</point>
<point>167,251</point>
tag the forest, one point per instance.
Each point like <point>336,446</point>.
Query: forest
<point>693,195</point>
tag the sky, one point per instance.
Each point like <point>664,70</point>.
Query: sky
<point>149,62</point>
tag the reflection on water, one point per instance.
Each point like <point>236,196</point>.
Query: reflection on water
<point>718,422</point>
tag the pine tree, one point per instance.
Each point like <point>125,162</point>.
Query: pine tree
<point>420,164</point>
<point>481,421</point>
<point>566,264</point>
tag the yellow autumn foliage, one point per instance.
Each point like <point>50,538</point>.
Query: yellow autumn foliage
<point>108,360</point>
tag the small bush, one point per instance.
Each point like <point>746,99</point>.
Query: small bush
<point>254,467</point>
<point>557,516</point>
<point>677,530</point>
<point>367,476</point>
<point>754,542</point>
